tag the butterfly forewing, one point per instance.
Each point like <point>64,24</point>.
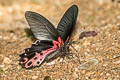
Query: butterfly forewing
<point>67,22</point>
<point>41,27</point>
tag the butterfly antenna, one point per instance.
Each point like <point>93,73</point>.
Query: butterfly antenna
<point>74,49</point>
<point>72,46</point>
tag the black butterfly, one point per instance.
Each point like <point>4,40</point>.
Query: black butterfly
<point>51,42</point>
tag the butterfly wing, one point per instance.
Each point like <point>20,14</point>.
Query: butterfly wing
<point>41,27</point>
<point>67,22</point>
<point>45,32</point>
<point>36,54</point>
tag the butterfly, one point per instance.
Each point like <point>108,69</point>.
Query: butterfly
<point>51,41</point>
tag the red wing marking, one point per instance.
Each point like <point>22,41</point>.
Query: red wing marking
<point>55,44</point>
<point>59,39</point>
<point>25,60</point>
<point>38,58</point>
<point>60,42</point>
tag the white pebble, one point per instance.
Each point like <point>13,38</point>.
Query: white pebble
<point>34,77</point>
<point>51,63</point>
<point>6,60</point>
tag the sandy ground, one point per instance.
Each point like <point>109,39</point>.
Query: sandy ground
<point>98,57</point>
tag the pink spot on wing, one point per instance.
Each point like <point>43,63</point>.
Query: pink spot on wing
<point>25,60</point>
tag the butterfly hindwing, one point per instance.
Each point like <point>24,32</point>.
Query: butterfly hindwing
<point>67,22</point>
<point>36,54</point>
<point>41,27</point>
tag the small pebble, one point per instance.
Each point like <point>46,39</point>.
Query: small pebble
<point>51,63</point>
<point>1,37</point>
<point>116,56</point>
<point>34,77</point>
<point>117,62</point>
<point>61,60</point>
<point>1,13</point>
<point>15,37</point>
<point>76,69</point>
<point>105,64</point>
<point>107,74</point>
<point>47,78</point>
<point>2,66</point>
<point>10,9</point>
<point>85,43</point>
<point>6,37</point>
<point>6,60</point>
<point>103,1</point>
<point>75,75</point>
<point>12,34</point>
